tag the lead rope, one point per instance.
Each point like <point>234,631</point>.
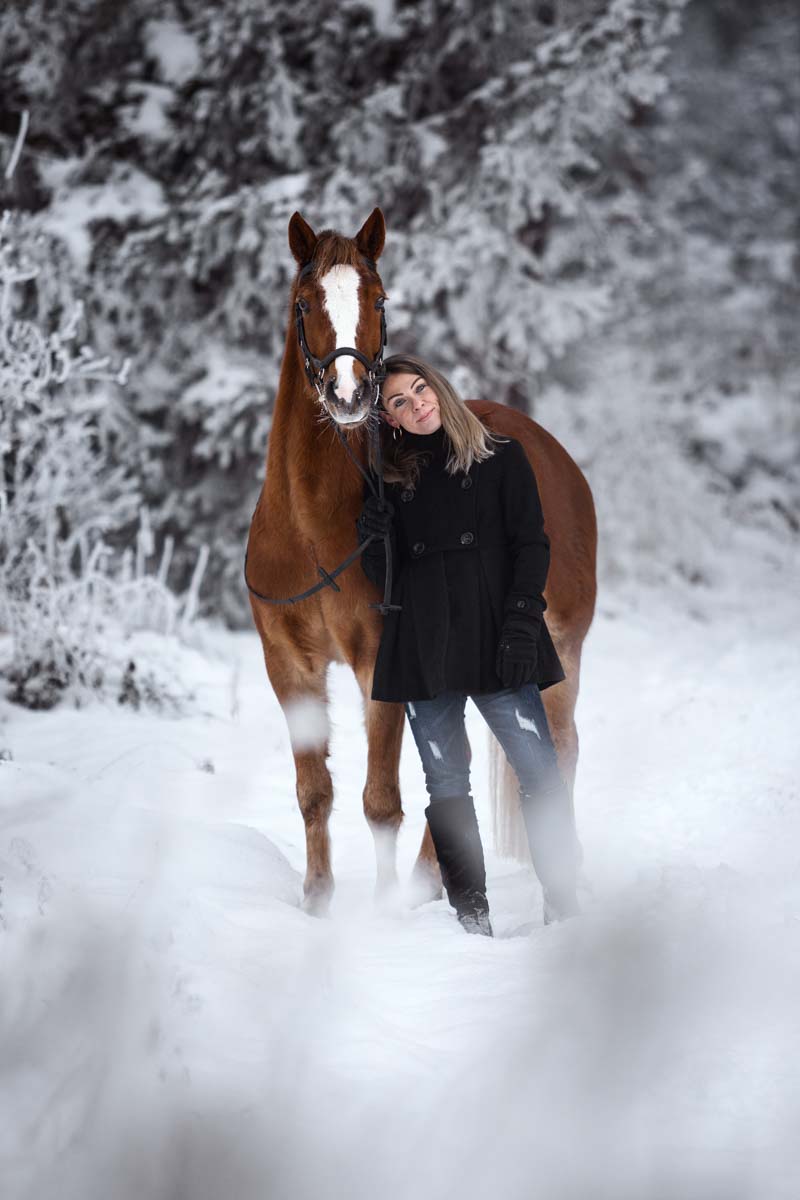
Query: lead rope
<point>386,607</point>
<point>375,434</point>
<point>329,577</point>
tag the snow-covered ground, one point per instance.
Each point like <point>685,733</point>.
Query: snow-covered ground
<point>173,1025</point>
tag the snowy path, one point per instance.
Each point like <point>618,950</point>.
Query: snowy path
<point>172,1025</point>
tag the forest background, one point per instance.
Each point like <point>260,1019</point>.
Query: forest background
<point>591,214</point>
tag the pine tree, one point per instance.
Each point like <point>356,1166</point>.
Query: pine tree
<point>190,134</point>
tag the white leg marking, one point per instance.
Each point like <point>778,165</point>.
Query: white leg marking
<point>435,750</point>
<point>412,712</point>
<point>385,857</point>
<point>307,719</point>
<point>527,723</point>
<point>340,289</point>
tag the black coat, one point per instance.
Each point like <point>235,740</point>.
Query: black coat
<point>468,551</point>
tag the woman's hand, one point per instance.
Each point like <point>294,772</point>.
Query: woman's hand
<point>517,653</point>
<point>516,658</point>
<point>376,519</point>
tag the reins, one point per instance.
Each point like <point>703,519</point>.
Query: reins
<point>315,369</point>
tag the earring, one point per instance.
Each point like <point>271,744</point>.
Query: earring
<point>396,433</point>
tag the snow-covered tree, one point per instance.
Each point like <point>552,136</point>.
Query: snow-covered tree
<point>521,153</point>
<point>71,594</point>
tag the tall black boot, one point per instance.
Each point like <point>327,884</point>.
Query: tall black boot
<point>554,850</point>
<point>455,833</point>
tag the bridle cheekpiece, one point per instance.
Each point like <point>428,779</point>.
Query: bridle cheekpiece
<point>315,368</point>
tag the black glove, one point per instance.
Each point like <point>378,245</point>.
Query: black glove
<point>375,520</point>
<point>516,659</point>
<point>517,653</point>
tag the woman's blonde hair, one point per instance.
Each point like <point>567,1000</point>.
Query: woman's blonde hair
<point>470,440</point>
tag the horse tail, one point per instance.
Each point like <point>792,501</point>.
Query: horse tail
<point>508,826</point>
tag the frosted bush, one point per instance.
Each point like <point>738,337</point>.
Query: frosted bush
<point>75,635</point>
<point>71,596</point>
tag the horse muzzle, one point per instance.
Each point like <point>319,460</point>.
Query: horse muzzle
<point>353,410</point>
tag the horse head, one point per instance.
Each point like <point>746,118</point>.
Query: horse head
<point>337,301</point>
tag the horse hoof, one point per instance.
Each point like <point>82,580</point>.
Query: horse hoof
<point>317,902</point>
<point>389,899</point>
<point>424,885</point>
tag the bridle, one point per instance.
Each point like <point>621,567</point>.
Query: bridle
<point>315,370</point>
<point>316,367</point>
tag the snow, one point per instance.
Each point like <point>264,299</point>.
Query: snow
<point>285,190</point>
<point>128,194</point>
<point>383,16</point>
<point>175,51</point>
<point>147,113</point>
<point>222,382</point>
<point>663,515</point>
<point>174,1025</point>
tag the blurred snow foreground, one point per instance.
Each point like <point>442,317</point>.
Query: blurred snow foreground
<point>173,1025</point>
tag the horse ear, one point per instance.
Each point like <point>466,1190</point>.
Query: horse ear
<point>372,235</point>
<point>302,239</point>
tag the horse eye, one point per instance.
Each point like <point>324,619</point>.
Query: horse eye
<point>303,305</point>
<point>379,303</point>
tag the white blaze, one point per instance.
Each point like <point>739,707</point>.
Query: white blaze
<point>340,289</point>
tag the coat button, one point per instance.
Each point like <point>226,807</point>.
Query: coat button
<point>418,548</point>
<point>466,483</point>
<point>467,539</point>
<point>406,495</point>
<point>522,604</point>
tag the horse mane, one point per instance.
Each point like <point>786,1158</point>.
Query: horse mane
<point>334,250</point>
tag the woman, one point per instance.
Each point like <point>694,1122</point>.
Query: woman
<point>471,554</point>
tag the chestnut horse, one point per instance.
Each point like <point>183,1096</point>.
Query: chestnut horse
<point>305,525</point>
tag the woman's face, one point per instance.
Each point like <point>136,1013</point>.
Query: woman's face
<point>410,403</point>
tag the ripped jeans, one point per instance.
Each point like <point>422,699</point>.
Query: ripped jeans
<point>518,721</point>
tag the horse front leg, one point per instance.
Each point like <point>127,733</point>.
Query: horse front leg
<point>299,682</point>
<point>382,804</point>
<point>315,799</point>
